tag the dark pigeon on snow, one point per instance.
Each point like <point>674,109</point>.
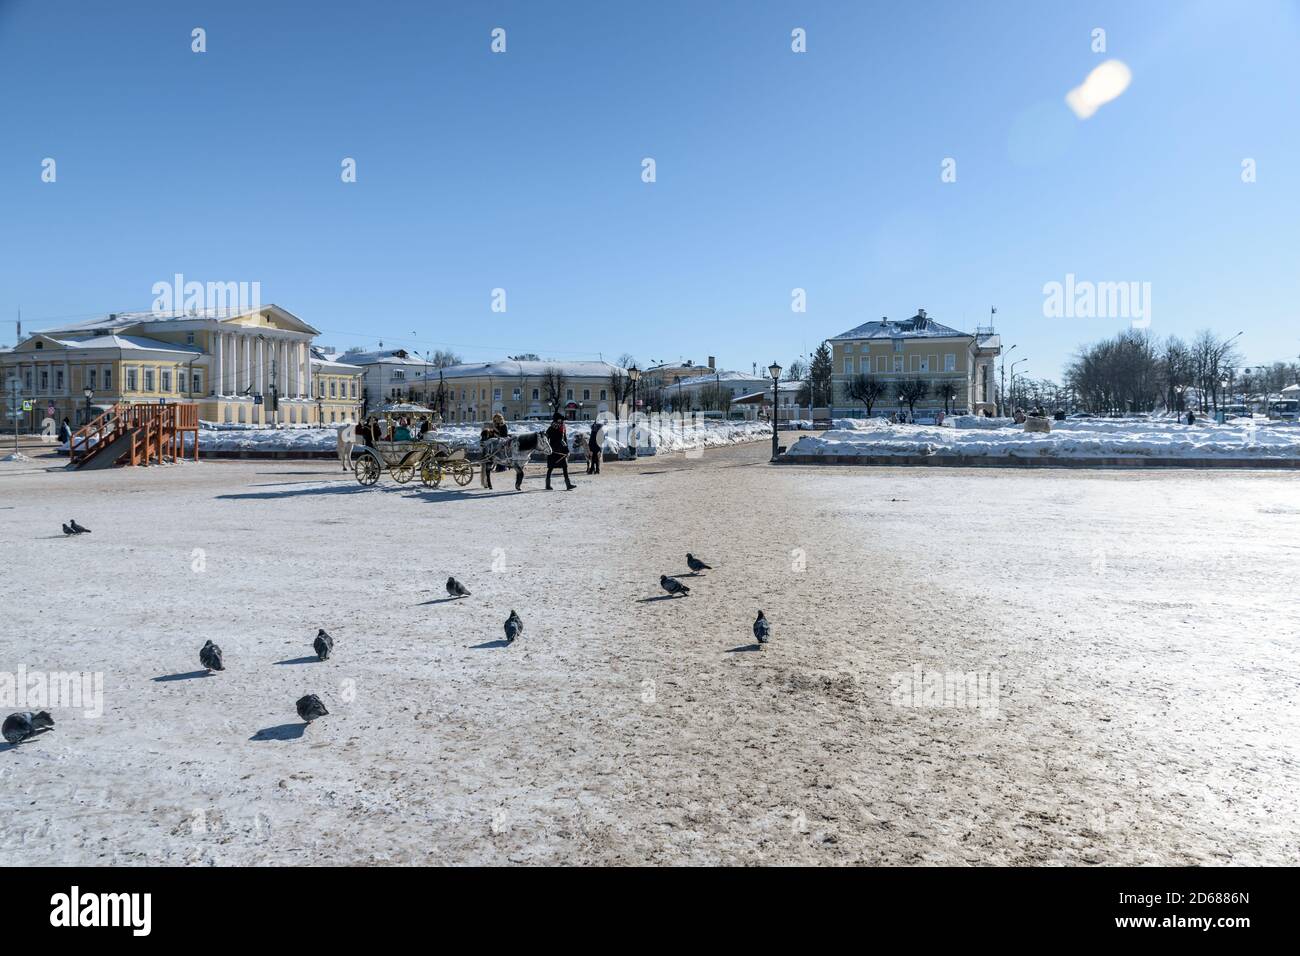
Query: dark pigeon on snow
<point>210,657</point>
<point>514,627</point>
<point>67,530</point>
<point>19,727</point>
<point>76,528</point>
<point>761,628</point>
<point>310,707</point>
<point>673,586</point>
<point>695,564</point>
<point>456,589</point>
<point>324,645</point>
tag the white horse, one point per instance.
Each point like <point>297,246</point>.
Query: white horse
<point>514,452</point>
<point>347,439</point>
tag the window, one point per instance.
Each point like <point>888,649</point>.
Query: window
<point>166,380</point>
<point>354,388</point>
<point>536,394</point>
<point>189,338</point>
<point>568,394</point>
<point>848,366</point>
<point>90,378</point>
<point>882,363</point>
<point>898,345</point>
<point>517,394</point>
<point>602,395</point>
<point>399,375</point>
<point>28,383</point>
<point>198,381</point>
<point>898,363</point>
<point>58,380</point>
<point>950,362</point>
<point>334,388</point>
<point>848,346</point>
<point>40,344</point>
<point>45,379</point>
<point>148,380</point>
<point>496,394</point>
<point>586,394</point>
<point>108,379</point>
<point>924,365</point>
<point>131,380</point>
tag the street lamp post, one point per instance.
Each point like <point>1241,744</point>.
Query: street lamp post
<point>89,393</point>
<point>634,376</point>
<point>1013,376</point>
<point>775,371</point>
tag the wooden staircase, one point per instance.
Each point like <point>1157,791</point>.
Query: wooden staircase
<point>135,434</point>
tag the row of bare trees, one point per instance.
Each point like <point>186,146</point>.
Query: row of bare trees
<point>1135,372</point>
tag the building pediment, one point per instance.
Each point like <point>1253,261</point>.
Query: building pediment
<point>268,317</point>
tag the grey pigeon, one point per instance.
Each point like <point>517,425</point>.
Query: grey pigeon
<point>695,564</point>
<point>514,627</point>
<point>210,657</point>
<point>18,727</point>
<point>67,530</point>
<point>76,528</point>
<point>761,628</point>
<point>324,645</point>
<point>673,586</point>
<point>456,589</point>
<point>310,707</point>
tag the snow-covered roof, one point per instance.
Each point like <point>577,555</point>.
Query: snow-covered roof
<point>114,340</point>
<point>510,368</point>
<point>121,320</point>
<point>919,326</point>
<point>783,388</point>
<point>320,358</point>
<point>385,357</point>
<point>711,378</point>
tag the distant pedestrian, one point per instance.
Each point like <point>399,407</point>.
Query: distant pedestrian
<point>1191,417</point>
<point>65,431</point>
<point>595,441</point>
<point>501,430</point>
<point>558,436</point>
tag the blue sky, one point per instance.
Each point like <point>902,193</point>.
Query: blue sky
<point>775,170</point>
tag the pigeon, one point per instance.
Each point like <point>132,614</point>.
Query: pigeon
<point>76,528</point>
<point>210,657</point>
<point>514,627</point>
<point>761,628</point>
<point>456,589</point>
<point>673,586</point>
<point>695,564</point>
<point>324,645</point>
<point>18,727</point>
<point>67,530</point>
<point>310,707</point>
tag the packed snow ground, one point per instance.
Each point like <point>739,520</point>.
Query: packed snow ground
<point>1086,438</point>
<point>1140,625</point>
<point>652,435</point>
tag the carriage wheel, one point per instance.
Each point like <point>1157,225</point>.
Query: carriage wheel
<point>403,473</point>
<point>464,473</point>
<point>431,473</point>
<point>366,469</point>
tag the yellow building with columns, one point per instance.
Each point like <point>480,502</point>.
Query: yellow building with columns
<point>254,366</point>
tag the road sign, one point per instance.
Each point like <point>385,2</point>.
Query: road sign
<point>27,406</point>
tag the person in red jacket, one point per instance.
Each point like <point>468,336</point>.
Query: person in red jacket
<point>558,436</point>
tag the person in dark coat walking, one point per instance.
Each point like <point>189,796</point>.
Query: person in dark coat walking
<point>500,430</point>
<point>65,432</point>
<point>558,436</point>
<point>594,443</point>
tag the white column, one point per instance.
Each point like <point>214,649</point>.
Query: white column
<point>306,370</point>
<point>261,367</point>
<point>217,370</point>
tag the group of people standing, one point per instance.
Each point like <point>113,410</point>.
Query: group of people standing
<point>405,428</point>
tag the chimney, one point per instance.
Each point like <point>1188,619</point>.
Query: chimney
<point>710,361</point>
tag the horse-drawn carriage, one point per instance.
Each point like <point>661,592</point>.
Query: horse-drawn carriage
<point>404,460</point>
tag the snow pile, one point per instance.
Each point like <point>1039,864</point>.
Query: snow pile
<point>978,421</point>
<point>1080,438</point>
<point>652,434</point>
<point>15,456</point>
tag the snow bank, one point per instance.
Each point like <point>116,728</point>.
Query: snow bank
<point>652,434</point>
<point>1079,438</point>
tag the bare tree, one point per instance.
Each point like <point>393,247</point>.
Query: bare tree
<point>947,391</point>
<point>526,357</point>
<point>866,389</point>
<point>554,383</point>
<point>620,389</point>
<point>911,391</point>
<point>443,359</point>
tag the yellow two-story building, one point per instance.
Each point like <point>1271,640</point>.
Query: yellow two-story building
<point>956,366</point>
